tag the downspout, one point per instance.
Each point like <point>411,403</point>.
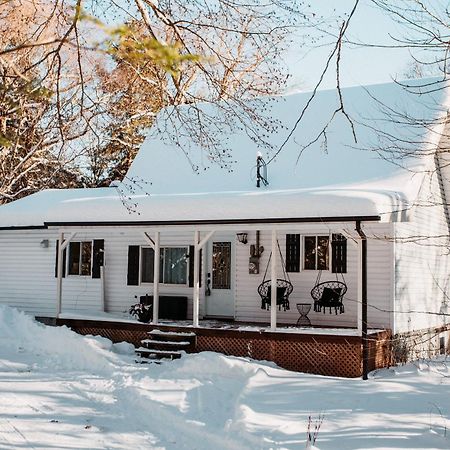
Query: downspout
<point>365,343</point>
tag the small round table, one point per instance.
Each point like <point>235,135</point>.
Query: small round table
<point>303,309</point>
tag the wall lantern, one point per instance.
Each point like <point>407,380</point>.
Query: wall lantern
<point>242,237</point>
<point>44,243</point>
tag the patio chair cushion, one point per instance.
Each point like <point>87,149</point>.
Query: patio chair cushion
<point>330,296</point>
<point>281,293</point>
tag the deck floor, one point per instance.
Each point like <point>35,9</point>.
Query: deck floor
<point>215,324</point>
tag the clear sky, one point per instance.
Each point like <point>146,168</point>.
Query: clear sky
<point>359,65</point>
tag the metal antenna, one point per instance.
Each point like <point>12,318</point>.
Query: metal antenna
<point>261,167</point>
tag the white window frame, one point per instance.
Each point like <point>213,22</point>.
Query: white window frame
<point>161,268</point>
<point>79,274</point>
<point>302,252</point>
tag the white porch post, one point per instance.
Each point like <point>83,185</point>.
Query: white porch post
<point>273,283</point>
<point>62,245</point>
<point>59,262</point>
<point>156,268</point>
<point>198,245</point>
<point>196,297</point>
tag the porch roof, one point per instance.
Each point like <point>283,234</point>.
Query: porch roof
<point>107,206</point>
<point>318,184</point>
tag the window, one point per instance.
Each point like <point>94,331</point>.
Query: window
<point>173,265</point>
<point>316,254</point>
<point>80,256</point>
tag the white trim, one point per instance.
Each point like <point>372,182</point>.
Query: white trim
<point>205,240</point>
<point>67,241</point>
<point>150,241</point>
<point>156,269</point>
<point>196,289</point>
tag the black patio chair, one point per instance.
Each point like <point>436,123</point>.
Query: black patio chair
<point>329,294</point>
<point>284,290</point>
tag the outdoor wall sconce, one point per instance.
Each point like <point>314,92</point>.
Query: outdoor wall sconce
<point>242,237</point>
<point>44,243</point>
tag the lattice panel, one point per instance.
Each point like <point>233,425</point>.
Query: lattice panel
<point>115,335</point>
<point>328,356</point>
<point>324,358</point>
<point>380,351</point>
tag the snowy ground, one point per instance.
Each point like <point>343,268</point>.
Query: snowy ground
<point>59,390</point>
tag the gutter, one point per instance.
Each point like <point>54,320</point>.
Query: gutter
<point>274,220</point>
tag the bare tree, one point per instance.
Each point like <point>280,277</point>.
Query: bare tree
<point>170,53</point>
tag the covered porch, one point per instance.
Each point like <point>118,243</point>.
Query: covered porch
<point>243,277</point>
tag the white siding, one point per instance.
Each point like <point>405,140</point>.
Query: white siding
<point>422,262</point>
<point>380,280</point>
<point>118,295</point>
<point>27,275</point>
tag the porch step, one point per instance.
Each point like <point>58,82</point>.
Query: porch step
<point>171,335</point>
<point>166,344</point>
<point>151,353</point>
<point>180,345</point>
<point>186,340</point>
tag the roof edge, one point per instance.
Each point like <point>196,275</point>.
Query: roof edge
<point>219,221</point>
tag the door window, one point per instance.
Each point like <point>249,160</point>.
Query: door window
<point>221,265</point>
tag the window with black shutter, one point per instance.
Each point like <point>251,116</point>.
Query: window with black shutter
<point>338,253</point>
<point>292,253</point>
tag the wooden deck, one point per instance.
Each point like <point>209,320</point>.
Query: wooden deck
<point>334,352</point>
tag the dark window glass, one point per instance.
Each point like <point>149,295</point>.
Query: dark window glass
<point>175,266</point>
<point>322,252</point>
<point>310,253</point>
<point>74,258</point>
<point>80,256</point>
<point>86,254</point>
<point>316,255</point>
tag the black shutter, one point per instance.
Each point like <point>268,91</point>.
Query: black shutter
<point>292,253</point>
<point>338,254</point>
<point>191,266</point>
<point>63,262</point>
<point>98,257</point>
<point>133,265</point>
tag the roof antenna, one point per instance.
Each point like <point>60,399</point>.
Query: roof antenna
<point>261,171</point>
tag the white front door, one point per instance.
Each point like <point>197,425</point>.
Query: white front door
<point>220,278</point>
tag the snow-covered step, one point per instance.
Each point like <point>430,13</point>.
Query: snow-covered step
<point>174,343</point>
<point>155,353</point>
<point>167,334</point>
<point>186,339</point>
<point>167,345</point>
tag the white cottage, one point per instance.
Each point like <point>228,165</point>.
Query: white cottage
<point>376,223</point>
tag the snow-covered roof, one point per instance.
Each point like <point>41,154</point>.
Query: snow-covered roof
<point>339,180</point>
